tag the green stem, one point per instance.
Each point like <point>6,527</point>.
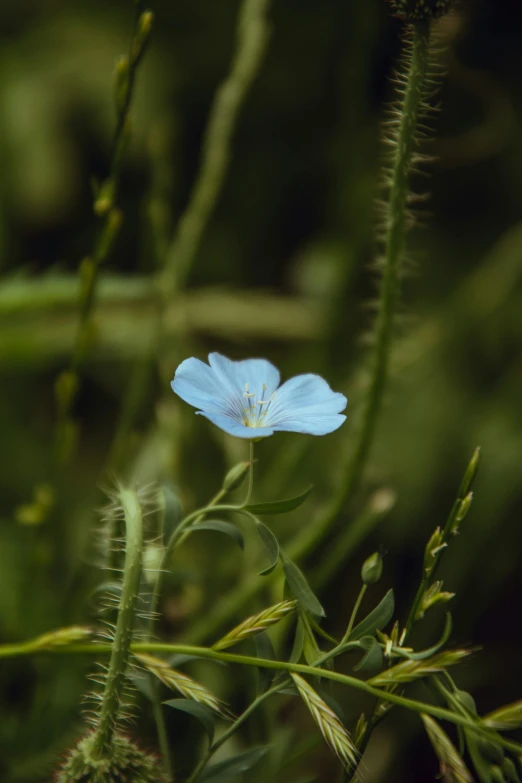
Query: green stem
<point>120,648</point>
<point>247,660</point>
<point>250,477</point>
<point>395,241</point>
<point>252,38</point>
<point>105,206</point>
<point>354,614</point>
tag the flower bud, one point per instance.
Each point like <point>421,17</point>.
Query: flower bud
<point>470,474</point>
<point>433,548</point>
<point>124,761</point>
<point>415,10</point>
<point>371,571</point>
<point>236,476</point>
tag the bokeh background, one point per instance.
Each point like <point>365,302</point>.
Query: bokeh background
<point>285,271</point>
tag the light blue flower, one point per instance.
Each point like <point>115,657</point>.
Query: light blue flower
<point>245,399</point>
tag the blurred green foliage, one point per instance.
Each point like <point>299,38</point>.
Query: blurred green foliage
<point>284,271</point>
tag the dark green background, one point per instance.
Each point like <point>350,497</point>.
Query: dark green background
<point>296,220</point>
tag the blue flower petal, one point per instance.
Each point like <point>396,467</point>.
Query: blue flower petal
<point>234,427</point>
<point>312,425</point>
<point>196,383</point>
<point>302,398</point>
<point>256,373</point>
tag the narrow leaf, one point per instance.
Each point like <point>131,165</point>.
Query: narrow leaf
<point>271,545</point>
<point>264,649</point>
<point>420,656</point>
<point>224,771</point>
<point>373,658</point>
<point>222,527</point>
<point>203,713</point>
<point>377,618</point>
<point>172,511</point>
<point>301,590</point>
<point>297,648</point>
<point>279,506</point>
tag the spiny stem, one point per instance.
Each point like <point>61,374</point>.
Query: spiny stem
<point>395,241</point>
<point>120,648</point>
<point>252,38</point>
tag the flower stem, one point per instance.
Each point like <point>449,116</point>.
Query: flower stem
<point>250,477</point>
<point>120,648</point>
<point>252,38</point>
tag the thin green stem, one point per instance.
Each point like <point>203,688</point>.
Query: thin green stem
<point>120,649</point>
<point>252,38</point>
<point>247,660</point>
<point>250,476</point>
<point>353,615</point>
<point>104,206</point>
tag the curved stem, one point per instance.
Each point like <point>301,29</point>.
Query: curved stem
<point>299,668</point>
<point>252,38</point>
<point>250,477</point>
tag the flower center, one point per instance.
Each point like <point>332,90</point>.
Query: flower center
<point>256,408</point>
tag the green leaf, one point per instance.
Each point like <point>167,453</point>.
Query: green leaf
<point>172,511</point>
<point>373,658</point>
<point>377,618</point>
<point>420,656</point>
<point>297,648</point>
<point>264,649</point>
<point>143,684</point>
<point>279,506</point>
<point>235,765</point>
<point>300,589</point>
<point>200,711</point>
<point>222,527</point>
<point>271,545</point>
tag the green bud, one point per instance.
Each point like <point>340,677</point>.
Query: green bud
<point>105,198</point>
<point>121,82</point>
<point>470,474</point>
<point>416,10</point>
<point>371,571</point>
<point>360,729</point>
<point>432,596</point>
<point>236,476</point>
<point>434,546</point>
<point>510,771</point>
<point>142,35</point>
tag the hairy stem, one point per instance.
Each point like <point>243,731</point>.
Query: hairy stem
<point>120,649</point>
<point>395,242</point>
